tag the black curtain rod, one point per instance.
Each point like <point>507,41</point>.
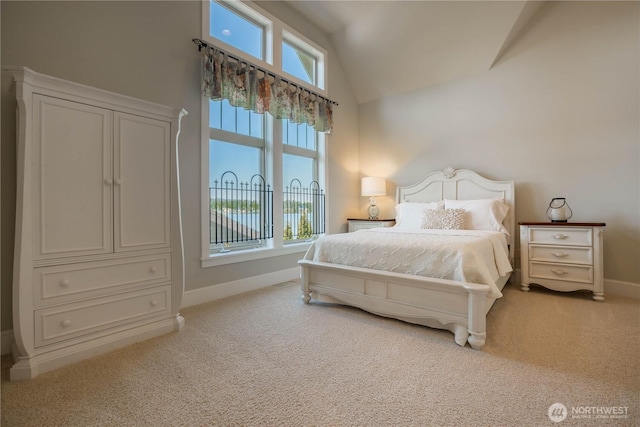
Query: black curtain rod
<point>202,44</point>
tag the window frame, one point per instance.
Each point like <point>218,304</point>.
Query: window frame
<point>318,175</point>
<point>275,32</point>
<point>297,41</point>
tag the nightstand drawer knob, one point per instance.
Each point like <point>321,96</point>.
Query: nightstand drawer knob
<point>560,236</point>
<point>560,254</point>
<point>559,272</point>
<point>66,323</point>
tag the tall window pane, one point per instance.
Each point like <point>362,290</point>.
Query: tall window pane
<point>297,168</point>
<point>240,201</point>
<point>256,122</point>
<point>235,119</point>
<point>215,114</point>
<point>236,30</point>
<point>302,199</point>
<point>298,63</point>
<point>299,135</point>
<point>242,160</point>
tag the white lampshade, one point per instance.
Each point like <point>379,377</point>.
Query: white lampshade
<point>374,186</point>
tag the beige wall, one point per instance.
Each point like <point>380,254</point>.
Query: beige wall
<point>558,114</point>
<point>144,49</point>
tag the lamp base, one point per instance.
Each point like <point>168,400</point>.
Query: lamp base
<point>373,212</point>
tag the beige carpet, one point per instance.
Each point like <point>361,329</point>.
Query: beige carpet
<point>264,358</point>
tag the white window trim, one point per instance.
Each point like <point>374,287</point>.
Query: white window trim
<point>253,254</point>
<point>275,31</point>
<point>296,39</point>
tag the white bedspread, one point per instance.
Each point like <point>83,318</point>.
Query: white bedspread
<point>464,255</point>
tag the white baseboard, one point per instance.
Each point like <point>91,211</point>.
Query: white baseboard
<point>223,290</point>
<point>621,289</point>
<point>6,339</point>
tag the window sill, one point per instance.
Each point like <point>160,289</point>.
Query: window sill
<point>253,254</point>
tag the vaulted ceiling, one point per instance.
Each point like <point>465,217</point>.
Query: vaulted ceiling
<point>390,47</point>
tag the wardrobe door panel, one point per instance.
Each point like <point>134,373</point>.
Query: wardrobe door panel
<point>142,186</point>
<point>71,172</point>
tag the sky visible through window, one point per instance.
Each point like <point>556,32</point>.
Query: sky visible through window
<point>248,37</point>
<point>235,30</point>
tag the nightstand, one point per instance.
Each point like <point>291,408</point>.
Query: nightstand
<point>356,224</point>
<point>562,256</point>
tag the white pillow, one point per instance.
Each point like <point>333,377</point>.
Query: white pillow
<point>443,219</point>
<point>409,214</point>
<point>481,214</point>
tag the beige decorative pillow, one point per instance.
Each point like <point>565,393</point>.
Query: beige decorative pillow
<point>443,219</point>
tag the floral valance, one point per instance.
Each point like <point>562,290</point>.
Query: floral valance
<point>247,86</point>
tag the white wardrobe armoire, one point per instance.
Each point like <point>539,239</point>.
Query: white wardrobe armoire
<point>98,246</point>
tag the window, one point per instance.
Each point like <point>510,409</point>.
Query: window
<point>240,201</point>
<point>236,30</point>
<point>298,63</point>
<point>303,194</point>
<point>264,178</point>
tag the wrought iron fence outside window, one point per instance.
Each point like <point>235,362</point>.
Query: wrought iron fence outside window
<point>241,213</point>
<point>303,211</point>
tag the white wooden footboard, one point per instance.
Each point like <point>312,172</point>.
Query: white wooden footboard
<point>444,304</point>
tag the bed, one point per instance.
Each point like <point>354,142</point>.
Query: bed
<point>458,300</point>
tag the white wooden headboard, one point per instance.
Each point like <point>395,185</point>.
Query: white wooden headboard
<point>461,184</point>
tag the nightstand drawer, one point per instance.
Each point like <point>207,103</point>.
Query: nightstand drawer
<point>562,254</point>
<point>363,224</point>
<point>561,236</point>
<point>565,272</point>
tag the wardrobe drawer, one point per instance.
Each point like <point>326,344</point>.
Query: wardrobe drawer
<point>562,254</point>
<point>59,323</point>
<point>71,282</point>
<point>561,236</point>
<point>565,272</point>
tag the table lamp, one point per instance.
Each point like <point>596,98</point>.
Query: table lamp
<point>371,187</point>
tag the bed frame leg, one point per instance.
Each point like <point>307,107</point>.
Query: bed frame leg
<point>477,319</point>
<point>461,335</point>
<point>476,340</point>
<point>306,297</point>
<point>304,278</point>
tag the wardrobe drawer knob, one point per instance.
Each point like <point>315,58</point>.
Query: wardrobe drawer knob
<point>65,283</point>
<point>66,322</point>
